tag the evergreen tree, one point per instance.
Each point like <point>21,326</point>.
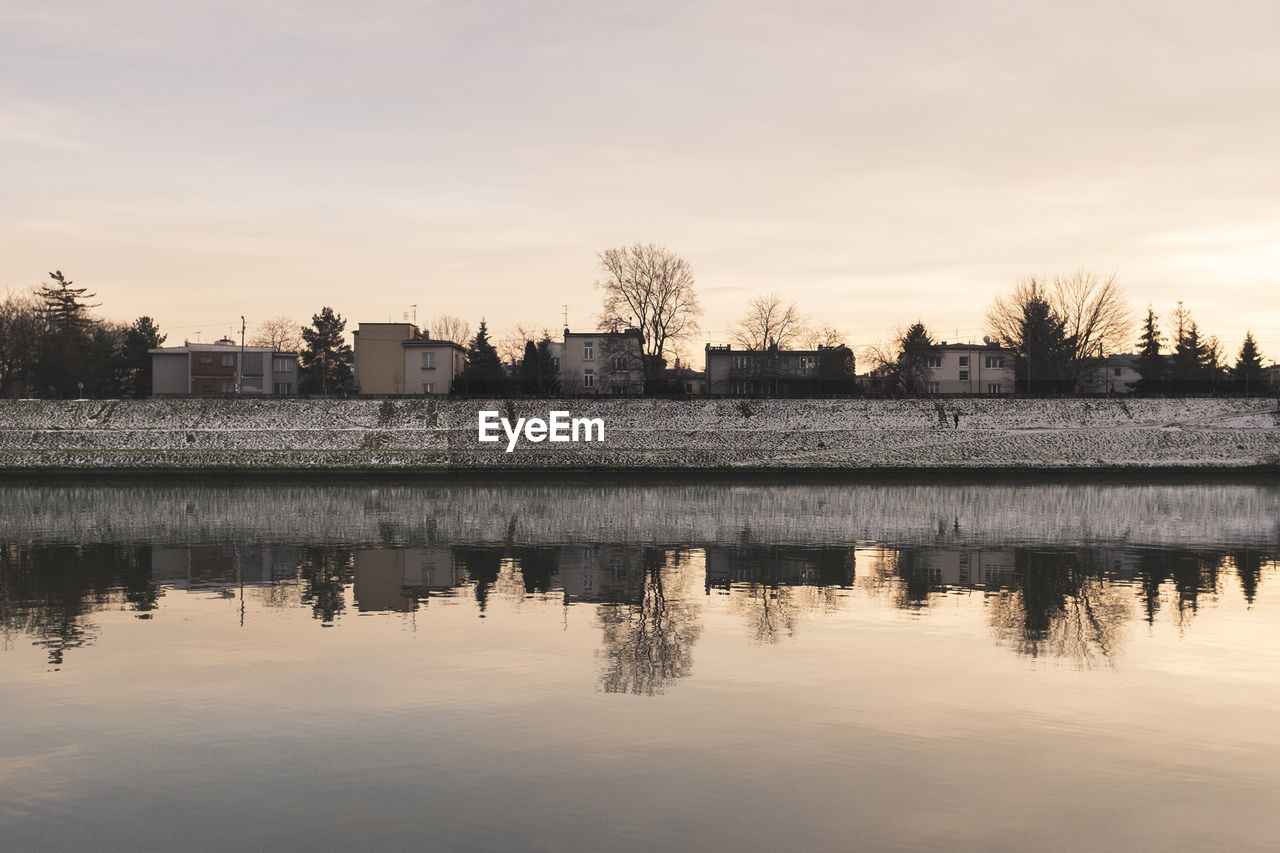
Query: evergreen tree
<point>1151,363</point>
<point>529,369</point>
<point>483,373</point>
<point>915,346</point>
<point>1042,359</point>
<point>548,374</point>
<point>135,367</point>
<point>64,348</point>
<point>1247,373</point>
<point>326,358</point>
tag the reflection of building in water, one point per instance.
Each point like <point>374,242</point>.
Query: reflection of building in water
<point>396,578</point>
<point>202,566</point>
<point>952,567</point>
<point>597,572</point>
<point>779,565</point>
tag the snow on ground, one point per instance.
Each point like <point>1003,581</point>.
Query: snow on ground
<point>422,434</point>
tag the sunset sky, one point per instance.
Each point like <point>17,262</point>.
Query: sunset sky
<point>875,161</point>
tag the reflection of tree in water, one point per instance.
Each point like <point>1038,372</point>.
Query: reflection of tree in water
<point>325,573</point>
<point>773,586</point>
<point>1191,574</point>
<point>1062,606</point>
<point>483,566</point>
<point>648,644</point>
<point>1248,564</point>
<point>901,576</point>
<point>47,592</point>
<point>537,567</point>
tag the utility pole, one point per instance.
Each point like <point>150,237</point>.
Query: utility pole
<point>240,363</point>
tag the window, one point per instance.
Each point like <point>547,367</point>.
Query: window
<point>228,361</point>
<point>283,388</point>
<point>588,378</point>
<point>994,389</point>
<point>964,361</point>
<point>739,388</point>
<point>995,361</point>
<point>808,362</point>
<point>253,364</point>
<point>741,362</point>
<point>588,350</point>
<point>964,376</point>
<point>618,362</point>
<point>281,365</point>
<point>428,387</point>
<point>206,359</point>
<point>935,361</point>
<point>1117,371</point>
<point>933,387</point>
<point>555,363</point>
<point>428,360</point>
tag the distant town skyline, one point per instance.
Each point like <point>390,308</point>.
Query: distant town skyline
<point>203,161</point>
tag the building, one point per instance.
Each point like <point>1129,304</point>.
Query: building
<point>970,369</point>
<point>398,358</point>
<point>600,362</point>
<point>223,367</point>
<point>779,373</point>
<point>1115,374</point>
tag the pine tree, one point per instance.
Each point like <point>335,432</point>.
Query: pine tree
<point>326,358</point>
<point>483,372</point>
<point>1151,363</point>
<point>1248,373</point>
<point>65,346</point>
<point>135,360</point>
<point>529,369</point>
<point>915,346</point>
<point>548,374</point>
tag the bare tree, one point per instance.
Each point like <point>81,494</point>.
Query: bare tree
<point>825,335</point>
<point>652,288</point>
<point>21,330</point>
<point>446,327</point>
<point>281,333</point>
<point>511,345</point>
<point>769,322</point>
<point>1091,313</point>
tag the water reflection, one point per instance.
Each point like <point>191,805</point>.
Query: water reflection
<point>1071,604</point>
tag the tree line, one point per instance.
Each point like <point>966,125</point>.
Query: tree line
<point>1059,331</point>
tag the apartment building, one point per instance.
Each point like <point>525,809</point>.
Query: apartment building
<point>600,362</point>
<point>223,367</point>
<point>779,373</point>
<point>399,358</point>
<point>985,368</point>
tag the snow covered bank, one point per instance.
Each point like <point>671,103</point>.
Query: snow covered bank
<point>642,435</point>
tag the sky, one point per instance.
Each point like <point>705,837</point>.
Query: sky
<point>876,162</point>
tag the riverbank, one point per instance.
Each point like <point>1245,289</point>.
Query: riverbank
<point>424,436</point>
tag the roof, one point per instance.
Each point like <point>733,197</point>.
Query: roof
<point>432,342</point>
<point>992,347</point>
<point>189,348</point>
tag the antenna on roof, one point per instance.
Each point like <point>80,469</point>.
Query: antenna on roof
<point>566,315</point>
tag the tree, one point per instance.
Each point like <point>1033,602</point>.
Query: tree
<point>281,333</point>
<point>1197,361</point>
<point>651,288</point>
<point>822,336</point>
<point>511,347</point>
<point>21,330</point>
<point>1248,373</point>
<point>529,369</point>
<point>1151,363</point>
<point>135,361</point>
<point>1092,314</point>
<point>769,322</point>
<point>446,327</point>
<point>64,346</point>
<point>326,358</point>
<point>1045,354</point>
<point>483,373</point>
<point>548,375</point>
<point>915,346</point>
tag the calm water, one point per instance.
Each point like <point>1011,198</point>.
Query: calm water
<point>566,666</point>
